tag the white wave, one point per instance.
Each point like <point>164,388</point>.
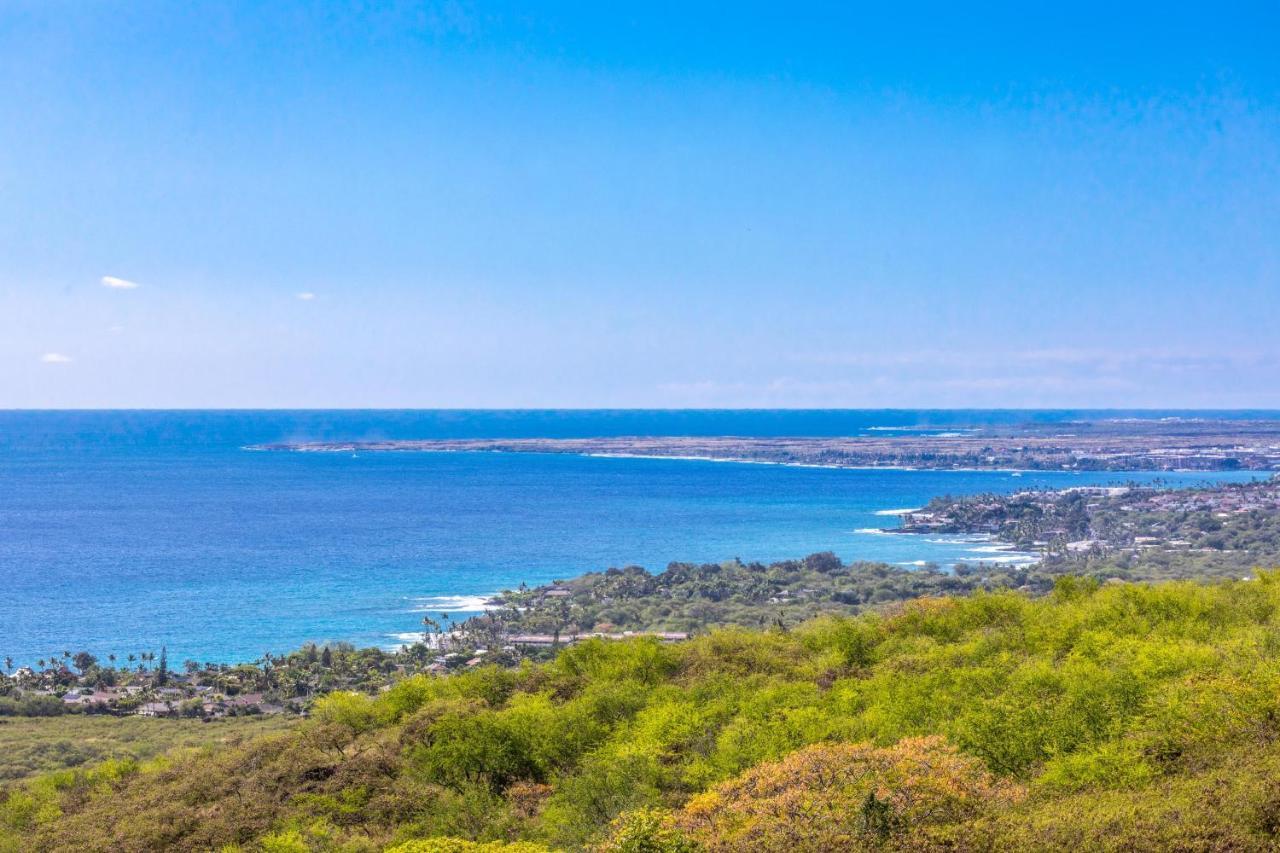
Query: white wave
<point>453,603</point>
<point>915,563</point>
<point>921,429</point>
<point>735,461</point>
<point>897,511</point>
<point>412,638</point>
<point>402,641</point>
<point>725,459</point>
<point>604,454</point>
<point>876,531</point>
<point>1011,559</point>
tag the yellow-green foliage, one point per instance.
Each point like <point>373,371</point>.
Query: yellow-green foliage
<point>919,794</point>
<point>1095,717</point>
<point>31,745</point>
<point>459,845</point>
<point>647,831</point>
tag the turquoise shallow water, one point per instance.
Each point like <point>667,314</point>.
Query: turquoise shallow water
<point>121,532</point>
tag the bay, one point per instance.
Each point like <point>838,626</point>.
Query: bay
<point>122,532</point>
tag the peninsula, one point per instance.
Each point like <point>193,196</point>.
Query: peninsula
<point>1108,445</point>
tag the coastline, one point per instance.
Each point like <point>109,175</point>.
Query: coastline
<point>334,549</point>
<point>1106,446</point>
<point>831,466</point>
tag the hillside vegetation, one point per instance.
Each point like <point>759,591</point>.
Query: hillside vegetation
<point>688,597</point>
<point>31,745</point>
<point>1126,717</point>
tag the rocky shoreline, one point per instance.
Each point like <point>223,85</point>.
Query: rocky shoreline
<point>1224,527</point>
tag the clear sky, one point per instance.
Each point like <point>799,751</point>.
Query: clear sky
<point>639,204</point>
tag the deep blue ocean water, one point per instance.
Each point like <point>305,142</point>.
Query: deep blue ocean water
<point>125,531</point>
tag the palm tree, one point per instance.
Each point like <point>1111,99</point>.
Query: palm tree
<point>112,658</point>
<point>8,664</point>
<point>40,663</point>
<point>429,627</point>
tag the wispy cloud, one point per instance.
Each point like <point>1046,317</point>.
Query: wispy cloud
<point>306,296</point>
<point>118,283</point>
<point>56,358</point>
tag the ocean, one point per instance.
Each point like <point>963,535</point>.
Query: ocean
<point>122,532</point>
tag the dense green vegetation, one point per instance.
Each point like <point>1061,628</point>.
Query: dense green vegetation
<point>688,597</point>
<point>1116,716</point>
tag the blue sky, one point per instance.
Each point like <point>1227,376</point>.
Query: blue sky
<point>649,204</point>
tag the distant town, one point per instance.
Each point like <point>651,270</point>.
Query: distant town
<point>1213,530</point>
